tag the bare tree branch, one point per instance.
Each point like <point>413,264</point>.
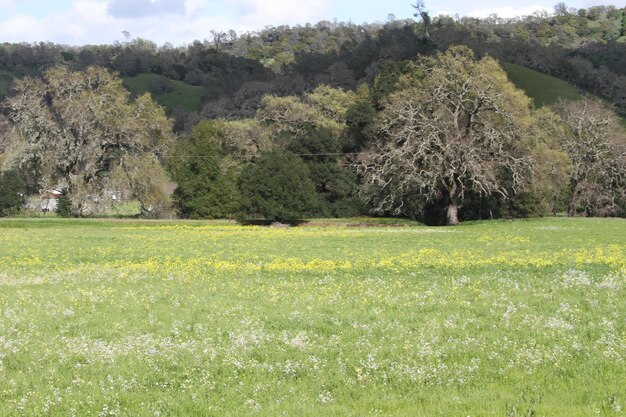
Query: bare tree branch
<point>454,130</point>
<point>596,144</point>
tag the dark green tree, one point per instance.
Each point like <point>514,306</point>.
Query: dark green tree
<point>64,206</point>
<point>206,177</point>
<point>387,80</point>
<point>335,185</point>
<point>277,187</point>
<point>12,189</point>
<point>360,121</point>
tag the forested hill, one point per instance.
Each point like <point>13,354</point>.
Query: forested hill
<point>227,76</point>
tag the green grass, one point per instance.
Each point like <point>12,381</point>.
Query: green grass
<point>139,318</point>
<point>183,95</point>
<point>542,88</point>
<point>361,221</point>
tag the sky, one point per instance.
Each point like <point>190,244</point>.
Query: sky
<point>179,22</point>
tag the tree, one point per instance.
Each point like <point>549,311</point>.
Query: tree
<point>245,139</point>
<point>206,176</point>
<point>324,107</point>
<point>6,131</point>
<point>422,14</point>
<point>335,185</point>
<point>81,130</point>
<point>596,145</point>
<point>64,205</point>
<point>561,9</point>
<point>277,187</point>
<point>551,164</point>
<point>455,125</point>
<point>287,116</point>
<point>12,190</point>
<point>218,39</point>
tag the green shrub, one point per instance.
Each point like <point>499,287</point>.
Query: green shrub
<point>12,190</point>
<point>206,177</point>
<point>335,185</point>
<point>64,207</point>
<point>277,187</point>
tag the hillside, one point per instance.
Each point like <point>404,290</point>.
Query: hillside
<point>171,94</point>
<point>549,56</point>
<point>542,88</point>
<point>174,94</point>
<point>240,109</point>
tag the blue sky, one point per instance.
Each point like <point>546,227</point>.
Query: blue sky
<point>80,22</point>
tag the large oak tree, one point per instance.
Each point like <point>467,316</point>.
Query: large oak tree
<point>596,145</point>
<point>455,124</point>
<point>81,130</point>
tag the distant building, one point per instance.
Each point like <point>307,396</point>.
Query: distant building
<point>50,199</point>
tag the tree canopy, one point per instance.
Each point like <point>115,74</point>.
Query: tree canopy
<point>277,188</point>
<point>12,192</point>
<point>205,174</point>
<point>82,131</point>
<point>456,124</point>
<point>596,145</point>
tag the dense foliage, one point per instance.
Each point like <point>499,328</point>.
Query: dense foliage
<point>277,187</point>
<point>585,47</point>
<point>12,192</point>
<point>206,178</point>
<point>79,130</point>
<point>333,98</point>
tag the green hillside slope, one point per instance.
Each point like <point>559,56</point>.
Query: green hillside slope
<point>177,94</point>
<point>542,88</point>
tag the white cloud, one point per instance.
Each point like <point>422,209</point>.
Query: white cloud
<point>91,21</point>
<point>259,13</point>
<point>194,8</point>
<point>18,27</point>
<point>86,20</point>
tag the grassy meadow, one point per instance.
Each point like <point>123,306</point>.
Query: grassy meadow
<point>183,95</point>
<point>544,89</point>
<point>131,318</point>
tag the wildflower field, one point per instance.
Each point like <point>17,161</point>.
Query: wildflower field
<point>129,318</point>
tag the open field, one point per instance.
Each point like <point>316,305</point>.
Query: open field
<point>183,95</point>
<point>544,89</point>
<point>131,318</point>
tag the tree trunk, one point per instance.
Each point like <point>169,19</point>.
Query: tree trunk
<point>571,209</point>
<point>452,215</point>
